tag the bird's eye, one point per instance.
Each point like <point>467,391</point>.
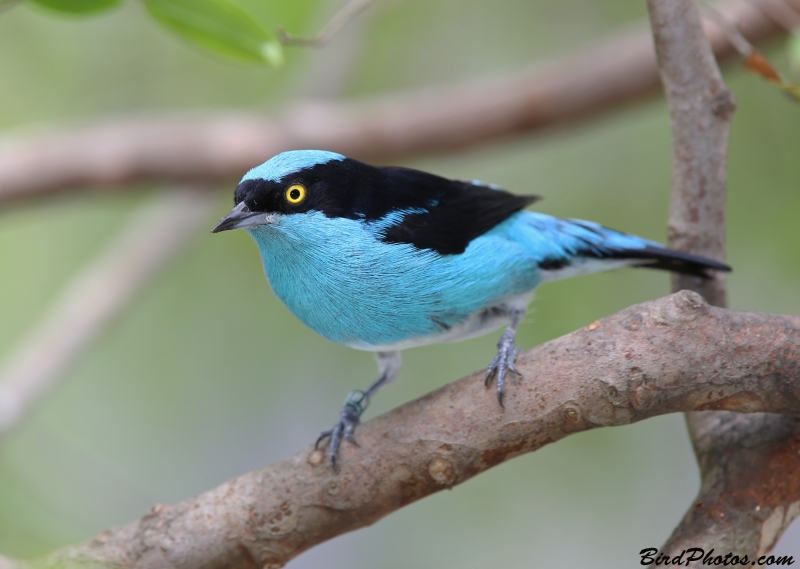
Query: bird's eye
<point>295,194</point>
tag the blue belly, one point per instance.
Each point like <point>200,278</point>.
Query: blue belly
<point>350,287</point>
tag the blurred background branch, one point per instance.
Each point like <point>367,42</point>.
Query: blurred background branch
<point>219,146</point>
<point>155,235</point>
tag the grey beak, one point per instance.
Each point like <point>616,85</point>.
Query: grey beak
<point>239,217</point>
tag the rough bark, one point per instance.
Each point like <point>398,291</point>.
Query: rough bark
<point>750,489</point>
<point>673,354</point>
<point>750,467</point>
<point>700,107</point>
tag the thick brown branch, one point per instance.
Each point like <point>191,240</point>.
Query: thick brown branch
<point>223,145</point>
<point>700,106</point>
<point>673,354</point>
<point>750,489</point>
<point>749,465</point>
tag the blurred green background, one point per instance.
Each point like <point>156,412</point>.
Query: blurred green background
<point>206,375</point>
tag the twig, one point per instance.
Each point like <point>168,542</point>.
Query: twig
<point>673,354</point>
<point>87,305</point>
<point>754,61</point>
<point>349,11</point>
<point>782,13</point>
<point>222,146</point>
<point>738,41</point>
<point>749,465</point>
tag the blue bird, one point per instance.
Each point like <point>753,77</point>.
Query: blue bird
<point>384,259</point>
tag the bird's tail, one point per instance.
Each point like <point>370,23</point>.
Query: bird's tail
<point>569,247</point>
<point>670,260</point>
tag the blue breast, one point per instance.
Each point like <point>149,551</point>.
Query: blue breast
<point>350,287</point>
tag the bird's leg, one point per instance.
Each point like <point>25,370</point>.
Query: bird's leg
<point>503,361</point>
<point>356,403</point>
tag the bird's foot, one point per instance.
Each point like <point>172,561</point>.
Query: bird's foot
<point>503,363</point>
<point>349,418</point>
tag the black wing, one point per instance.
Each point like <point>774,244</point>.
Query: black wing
<point>452,213</point>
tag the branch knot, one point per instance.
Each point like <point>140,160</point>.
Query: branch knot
<point>689,304</point>
<point>723,103</point>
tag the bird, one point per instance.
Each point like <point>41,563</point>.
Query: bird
<point>388,258</point>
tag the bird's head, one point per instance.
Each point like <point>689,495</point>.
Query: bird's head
<point>403,205</point>
<point>296,182</point>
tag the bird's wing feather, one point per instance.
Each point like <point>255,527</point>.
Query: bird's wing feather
<point>563,247</point>
<point>446,215</point>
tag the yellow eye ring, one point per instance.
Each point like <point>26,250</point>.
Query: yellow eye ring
<point>295,194</point>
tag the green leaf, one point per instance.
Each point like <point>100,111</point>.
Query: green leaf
<point>77,6</point>
<point>218,25</point>
<point>273,53</point>
<point>794,50</point>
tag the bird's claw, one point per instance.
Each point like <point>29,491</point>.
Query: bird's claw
<point>502,363</point>
<point>349,418</point>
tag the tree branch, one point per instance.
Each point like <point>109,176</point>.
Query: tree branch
<point>700,106</point>
<point>749,464</point>
<point>222,145</point>
<point>674,354</point>
<point>750,489</point>
<point>343,17</point>
<point>95,296</point>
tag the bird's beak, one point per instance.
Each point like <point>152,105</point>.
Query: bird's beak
<point>241,216</point>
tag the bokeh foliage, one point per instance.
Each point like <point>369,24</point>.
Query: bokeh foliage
<point>206,375</point>
<point>220,26</point>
